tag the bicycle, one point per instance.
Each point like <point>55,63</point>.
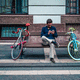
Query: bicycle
<point>73,45</point>
<point>17,47</point>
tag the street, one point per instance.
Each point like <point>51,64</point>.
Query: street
<point>36,66</point>
<point>29,73</point>
<point>33,53</point>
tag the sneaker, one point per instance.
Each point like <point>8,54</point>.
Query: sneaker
<point>52,59</point>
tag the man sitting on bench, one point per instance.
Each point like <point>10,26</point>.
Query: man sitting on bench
<point>48,35</point>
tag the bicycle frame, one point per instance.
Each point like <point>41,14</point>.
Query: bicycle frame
<point>73,45</point>
<point>20,34</point>
<point>73,38</point>
<point>17,47</point>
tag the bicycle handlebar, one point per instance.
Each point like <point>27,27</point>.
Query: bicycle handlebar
<point>27,24</point>
<point>68,32</point>
<point>27,32</point>
<point>71,29</point>
<point>20,29</point>
<point>17,30</point>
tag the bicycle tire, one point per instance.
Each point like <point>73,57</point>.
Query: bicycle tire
<point>17,49</point>
<point>74,54</point>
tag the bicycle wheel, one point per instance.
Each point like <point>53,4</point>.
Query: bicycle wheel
<point>17,49</point>
<point>74,53</point>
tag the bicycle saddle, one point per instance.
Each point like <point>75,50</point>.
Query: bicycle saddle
<point>27,24</point>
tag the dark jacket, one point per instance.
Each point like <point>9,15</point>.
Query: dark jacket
<point>45,30</point>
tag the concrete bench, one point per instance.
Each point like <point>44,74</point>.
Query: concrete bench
<point>39,44</point>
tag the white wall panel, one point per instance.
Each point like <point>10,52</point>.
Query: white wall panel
<point>47,2</point>
<point>42,19</point>
<point>46,10</point>
<point>41,10</point>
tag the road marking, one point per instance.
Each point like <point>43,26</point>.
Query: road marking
<point>37,61</point>
<point>24,61</point>
<point>6,43</point>
<point>40,72</point>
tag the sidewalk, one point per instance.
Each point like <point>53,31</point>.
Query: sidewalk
<point>35,56</point>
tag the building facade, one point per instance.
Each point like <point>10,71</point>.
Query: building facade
<point>16,13</point>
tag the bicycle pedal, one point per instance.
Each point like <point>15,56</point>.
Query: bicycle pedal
<point>23,42</point>
<point>19,43</point>
<point>11,46</point>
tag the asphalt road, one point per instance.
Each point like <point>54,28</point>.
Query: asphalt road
<point>12,73</point>
<point>32,53</point>
<point>41,77</point>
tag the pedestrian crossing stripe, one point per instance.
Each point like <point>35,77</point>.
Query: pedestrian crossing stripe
<point>39,72</point>
<point>6,43</point>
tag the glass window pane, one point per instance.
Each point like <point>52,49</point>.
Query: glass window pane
<point>5,6</point>
<point>72,6</point>
<point>25,1</point>
<point>13,6</point>
<point>8,9</point>
<point>24,6</point>
<point>3,2</point>
<point>73,10</point>
<point>68,10</point>
<point>7,31</point>
<point>3,10</point>
<point>24,10</point>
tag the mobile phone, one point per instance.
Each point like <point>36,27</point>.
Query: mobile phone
<point>53,30</point>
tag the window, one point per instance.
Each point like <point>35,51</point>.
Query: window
<point>72,6</point>
<point>14,6</point>
<point>7,31</point>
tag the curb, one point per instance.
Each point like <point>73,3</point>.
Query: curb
<point>39,64</point>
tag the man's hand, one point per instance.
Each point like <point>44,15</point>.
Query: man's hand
<point>49,32</point>
<point>52,32</point>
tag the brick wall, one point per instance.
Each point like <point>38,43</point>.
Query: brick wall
<point>72,21</point>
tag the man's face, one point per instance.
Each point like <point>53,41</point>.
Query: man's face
<point>49,25</point>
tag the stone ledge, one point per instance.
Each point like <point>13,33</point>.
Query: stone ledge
<point>70,19</point>
<point>16,19</point>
